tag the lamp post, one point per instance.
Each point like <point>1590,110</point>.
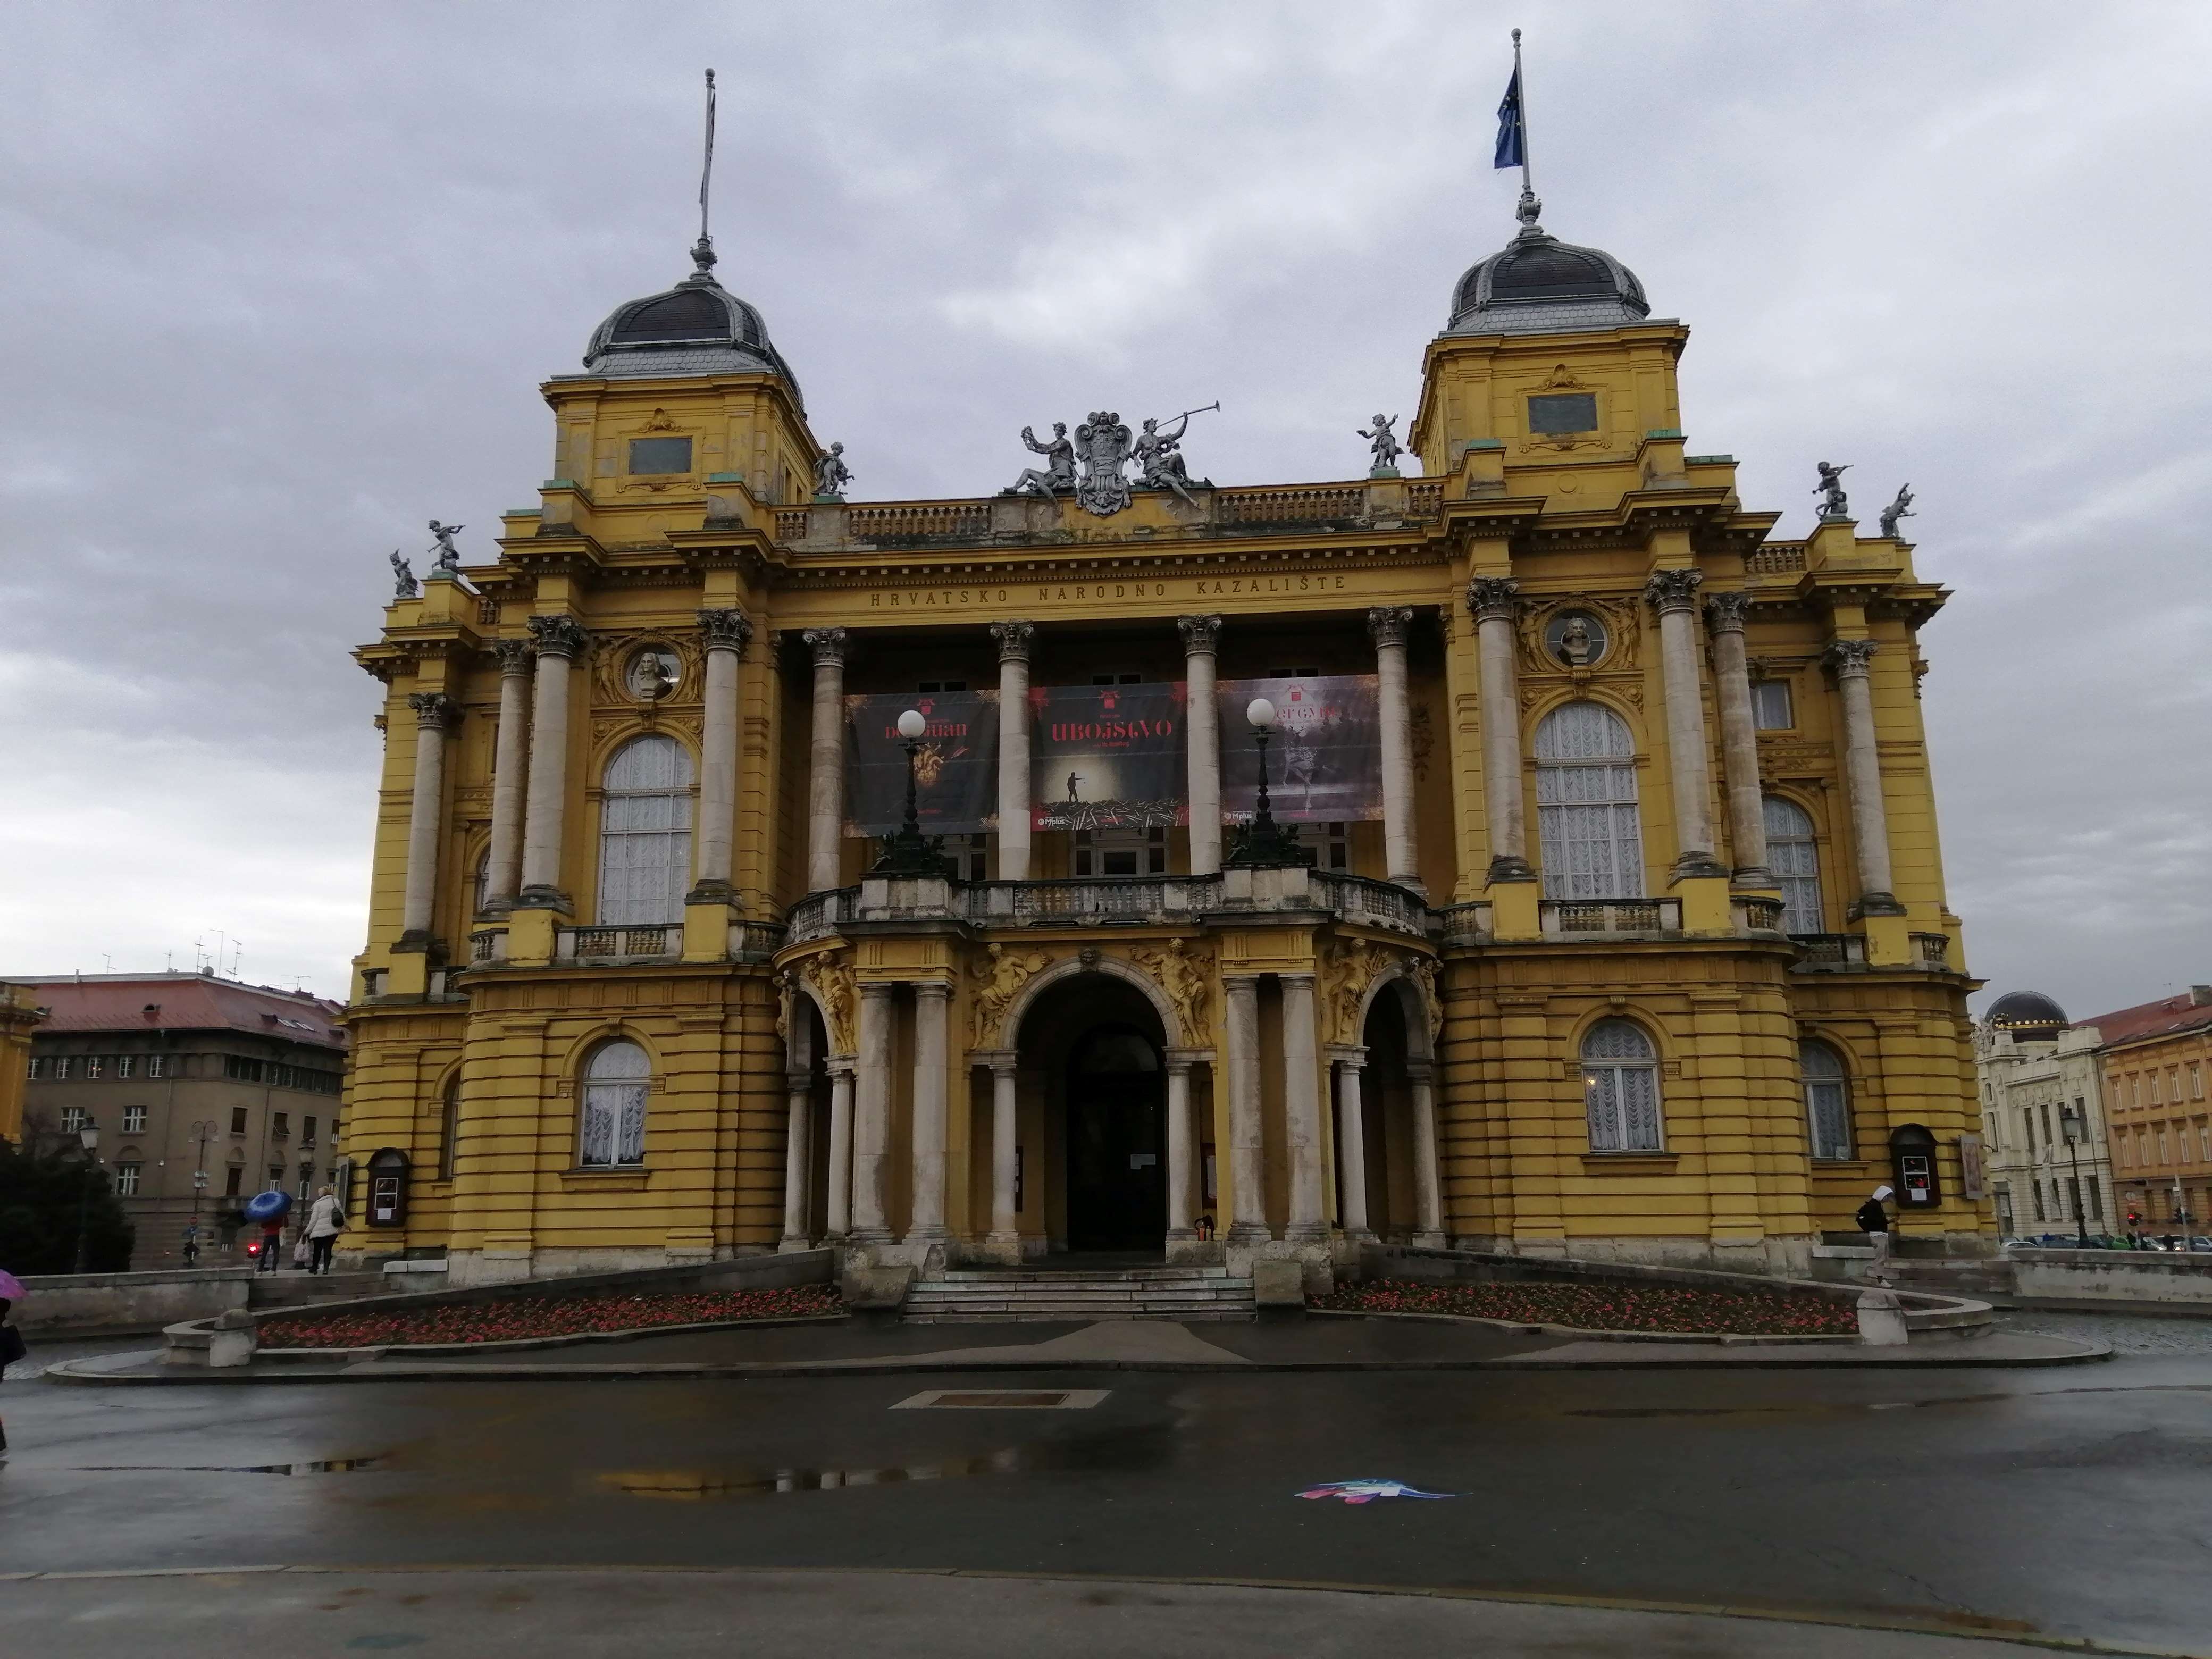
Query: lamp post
<point>2069,1119</point>
<point>201,1132</point>
<point>1263,843</point>
<point>89,1135</point>
<point>910,852</point>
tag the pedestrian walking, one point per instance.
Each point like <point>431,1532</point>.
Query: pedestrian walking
<point>11,1339</point>
<point>273,1240</point>
<point>1873,1221</point>
<point>324,1223</point>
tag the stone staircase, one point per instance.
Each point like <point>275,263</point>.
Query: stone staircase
<point>998,1296</point>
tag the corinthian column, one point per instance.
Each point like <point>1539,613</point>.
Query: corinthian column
<point>1739,739</point>
<point>1673,595</point>
<point>1863,777</point>
<point>927,1224</point>
<point>1351,1148</point>
<point>510,761</point>
<point>1203,712</point>
<point>871,1116</point>
<point>1005,1156</point>
<point>727,633</point>
<point>1248,1169</point>
<point>1493,600</point>
<point>798,1155</point>
<point>1428,1188</point>
<point>1014,638</point>
<point>560,641</point>
<point>825,774</point>
<point>435,715</point>
<point>1182,1156</point>
<point>839,1221</point>
<point>1302,1110</point>
<point>1387,625</point>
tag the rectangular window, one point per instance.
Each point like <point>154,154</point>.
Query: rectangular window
<point>62,1065</point>
<point>124,1066</point>
<point>2204,1139</point>
<point>2048,1139</point>
<point>1770,706</point>
<point>95,1065</point>
<point>2127,1152</point>
<point>2134,1091</point>
<point>239,1069</point>
<point>942,685</point>
<point>1121,851</point>
<point>1331,843</point>
<point>2036,1188</point>
<point>651,456</point>
<point>157,1066</point>
<point>2195,1081</point>
<point>238,1120</point>
<point>126,1180</point>
<point>2073,1197</point>
<point>1559,412</point>
<point>973,860</point>
<point>280,1125</point>
<point>134,1120</point>
<point>38,1068</point>
<point>306,1132</point>
<point>2096,1201</point>
<point>72,1119</point>
<point>275,1178</point>
<point>2163,1149</point>
<point>1119,676</point>
<point>232,1179</point>
<point>2157,1095</point>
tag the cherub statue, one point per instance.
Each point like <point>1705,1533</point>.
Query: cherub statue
<point>1834,504</point>
<point>1384,442</point>
<point>448,561</point>
<point>1900,508</point>
<point>404,586</point>
<point>1059,476</point>
<point>832,475</point>
<point>1158,463</point>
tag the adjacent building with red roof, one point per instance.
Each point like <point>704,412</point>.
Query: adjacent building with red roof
<point>2155,1056</point>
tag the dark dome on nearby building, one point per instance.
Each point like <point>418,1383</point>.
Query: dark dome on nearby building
<point>697,327</point>
<point>2030,1015</point>
<point>1539,284</point>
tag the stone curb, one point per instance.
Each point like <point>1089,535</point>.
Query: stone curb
<point>1715,1339</point>
<point>286,1356</point>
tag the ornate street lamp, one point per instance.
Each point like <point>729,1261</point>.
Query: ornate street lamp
<point>2069,1119</point>
<point>1263,844</point>
<point>87,1133</point>
<point>910,852</point>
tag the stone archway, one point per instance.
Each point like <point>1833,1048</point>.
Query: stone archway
<point>1392,1087</point>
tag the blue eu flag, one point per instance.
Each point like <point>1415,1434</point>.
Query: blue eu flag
<point>1513,139</point>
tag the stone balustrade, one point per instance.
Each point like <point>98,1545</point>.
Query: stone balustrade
<point>1582,918</point>
<point>617,944</point>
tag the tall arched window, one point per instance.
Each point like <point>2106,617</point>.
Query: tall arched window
<point>1620,1084</point>
<point>1795,858</point>
<point>614,1106</point>
<point>645,834</point>
<point>1827,1100</point>
<point>1586,817</point>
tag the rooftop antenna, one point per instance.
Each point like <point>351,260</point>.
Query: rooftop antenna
<point>702,255</point>
<point>1513,144</point>
<point>106,962</point>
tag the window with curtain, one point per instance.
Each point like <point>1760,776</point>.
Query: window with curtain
<point>1620,1084</point>
<point>1591,836</point>
<point>645,834</point>
<point>1827,1100</point>
<point>614,1083</point>
<point>1795,858</point>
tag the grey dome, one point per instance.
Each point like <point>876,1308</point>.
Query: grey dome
<point>1539,284</point>
<point>697,327</point>
<point>2028,1015</point>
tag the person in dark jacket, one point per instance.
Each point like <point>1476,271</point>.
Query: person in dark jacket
<point>1873,1221</point>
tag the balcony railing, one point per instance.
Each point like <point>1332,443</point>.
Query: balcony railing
<point>1377,903</point>
<point>490,945</point>
<point>1465,924</point>
<point>1581,918</point>
<point>818,913</point>
<point>1830,950</point>
<point>1757,916</point>
<point>1131,900</point>
<point>616,944</point>
<point>1932,950</point>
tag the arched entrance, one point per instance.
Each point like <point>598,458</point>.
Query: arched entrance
<point>1116,1107</point>
<point>1092,1136</point>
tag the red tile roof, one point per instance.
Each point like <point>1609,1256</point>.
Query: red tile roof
<point>2167,1016</point>
<point>182,1002</point>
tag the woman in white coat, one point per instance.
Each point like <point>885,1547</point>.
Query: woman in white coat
<point>324,1223</point>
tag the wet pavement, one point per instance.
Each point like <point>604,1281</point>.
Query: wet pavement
<point>2073,1502</point>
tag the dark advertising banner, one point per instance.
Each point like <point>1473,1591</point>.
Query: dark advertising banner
<point>1324,758</point>
<point>956,774</point>
<point>1108,756</point>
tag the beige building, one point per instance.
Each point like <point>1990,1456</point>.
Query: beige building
<point>2155,1056</point>
<point>2047,1142</point>
<point>184,1074</point>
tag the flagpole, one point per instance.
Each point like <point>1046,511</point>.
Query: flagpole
<point>1520,87</point>
<point>707,169</point>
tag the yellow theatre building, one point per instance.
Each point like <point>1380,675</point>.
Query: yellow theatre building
<point>1598,911</point>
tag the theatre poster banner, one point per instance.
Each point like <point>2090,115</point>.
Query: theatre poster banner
<point>955,770</point>
<point>1325,758</point>
<point>1107,757</point>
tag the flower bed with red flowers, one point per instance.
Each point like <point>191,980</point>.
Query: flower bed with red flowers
<point>540,1318</point>
<point>1671,1309</point>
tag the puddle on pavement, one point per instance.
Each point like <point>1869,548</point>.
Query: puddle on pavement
<point>324,1466</point>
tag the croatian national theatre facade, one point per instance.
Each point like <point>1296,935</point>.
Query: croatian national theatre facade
<point>1614,926</point>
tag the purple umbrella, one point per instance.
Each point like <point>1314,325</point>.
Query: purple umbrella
<point>12,1288</point>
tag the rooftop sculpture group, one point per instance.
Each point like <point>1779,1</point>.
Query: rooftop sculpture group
<point>1104,448</point>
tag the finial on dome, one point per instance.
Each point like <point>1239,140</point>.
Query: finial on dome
<point>1531,206</point>
<point>702,250</point>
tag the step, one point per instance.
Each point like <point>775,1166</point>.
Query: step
<point>982,1297</point>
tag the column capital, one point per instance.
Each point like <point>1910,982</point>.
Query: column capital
<point>798,1083</point>
<point>1350,1056</point>
<point>1492,597</point>
<point>1288,980</point>
<point>932,988</point>
<point>1014,638</point>
<point>1724,612</point>
<point>727,630</point>
<point>435,710</point>
<point>1200,634</point>
<point>827,644</point>
<point>998,1060</point>
<point>560,636</point>
<point>877,987</point>
<point>1244,982</point>
<point>1388,624</point>
<point>1673,590</point>
<point>1850,658</point>
<point>513,656</point>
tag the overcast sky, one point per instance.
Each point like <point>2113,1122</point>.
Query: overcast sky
<point>279,282</point>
